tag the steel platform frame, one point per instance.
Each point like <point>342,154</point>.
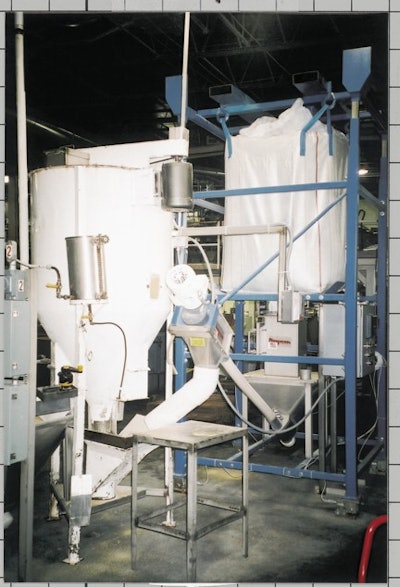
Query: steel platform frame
<point>356,64</point>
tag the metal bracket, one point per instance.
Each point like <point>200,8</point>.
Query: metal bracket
<point>329,104</point>
<point>222,118</point>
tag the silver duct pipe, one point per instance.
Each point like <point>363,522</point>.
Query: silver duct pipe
<point>184,69</point>
<point>21,140</point>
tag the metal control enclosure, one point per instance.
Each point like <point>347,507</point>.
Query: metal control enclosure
<point>16,285</point>
<point>280,339</point>
<point>17,337</point>
<point>16,410</point>
<point>332,338</point>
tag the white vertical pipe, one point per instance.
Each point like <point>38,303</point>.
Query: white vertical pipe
<point>21,140</point>
<point>74,530</point>
<point>184,69</point>
<point>27,466</point>
<point>27,480</point>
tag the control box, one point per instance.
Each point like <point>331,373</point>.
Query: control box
<point>279,339</point>
<point>16,410</point>
<point>332,338</point>
<point>17,339</point>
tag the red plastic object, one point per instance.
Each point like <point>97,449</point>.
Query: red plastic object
<point>367,546</point>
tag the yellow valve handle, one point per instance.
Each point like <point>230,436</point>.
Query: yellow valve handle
<point>52,285</point>
<point>77,369</point>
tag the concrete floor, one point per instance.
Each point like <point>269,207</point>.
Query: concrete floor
<point>293,535</point>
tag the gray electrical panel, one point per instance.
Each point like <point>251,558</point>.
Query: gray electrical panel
<point>16,323</point>
<point>16,365</point>
<point>281,339</point>
<point>16,285</point>
<point>17,337</point>
<point>332,338</point>
<point>16,410</point>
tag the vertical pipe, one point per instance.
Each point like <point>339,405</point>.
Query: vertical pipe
<point>184,69</point>
<point>308,425</point>
<point>238,347</point>
<point>21,140</point>
<point>245,493</point>
<point>74,531</point>
<point>27,479</point>
<point>168,455</point>
<point>191,515</point>
<point>333,427</point>
<point>321,427</point>
<point>351,305</point>
<point>27,466</point>
<point>134,503</point>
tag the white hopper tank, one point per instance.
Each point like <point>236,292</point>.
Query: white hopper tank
<point>81,200</point>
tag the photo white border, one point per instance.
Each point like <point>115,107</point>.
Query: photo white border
<point>299,6</point>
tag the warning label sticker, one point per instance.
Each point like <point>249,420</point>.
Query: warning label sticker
<point>197,341</point>
<point>279,342</point>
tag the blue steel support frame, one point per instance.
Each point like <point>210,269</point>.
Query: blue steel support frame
<point>351,311</point>
<point>350,298</point>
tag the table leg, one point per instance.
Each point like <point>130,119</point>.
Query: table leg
<point>134,500</point>
<point>191,521</point>
<point>245,494</point>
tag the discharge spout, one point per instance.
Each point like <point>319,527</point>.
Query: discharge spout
<point>276,420</point>
<point>196,391</point>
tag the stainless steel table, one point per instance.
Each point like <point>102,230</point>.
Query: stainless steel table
<point>190,436</point>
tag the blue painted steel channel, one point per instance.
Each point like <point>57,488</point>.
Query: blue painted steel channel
<point>294,472</point>
<point>351,309</point>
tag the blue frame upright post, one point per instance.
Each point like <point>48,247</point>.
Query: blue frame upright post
<point>351,308</point>
<point>356,71</point>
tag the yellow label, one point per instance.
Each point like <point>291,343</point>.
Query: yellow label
<point>197,341</point>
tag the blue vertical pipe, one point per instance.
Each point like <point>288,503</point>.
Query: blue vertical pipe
<point>351,306</point>
<point>382,290</point>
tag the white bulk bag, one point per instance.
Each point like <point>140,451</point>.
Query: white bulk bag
<point>268,154</point>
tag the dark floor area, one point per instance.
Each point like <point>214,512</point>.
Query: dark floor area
<point>294,535</point>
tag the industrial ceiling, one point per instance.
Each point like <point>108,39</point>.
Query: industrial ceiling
<point>95,79</point>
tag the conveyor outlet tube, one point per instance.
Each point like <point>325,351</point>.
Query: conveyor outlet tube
<point>196,391</point>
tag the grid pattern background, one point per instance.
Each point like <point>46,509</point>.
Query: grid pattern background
<point>303,6</point>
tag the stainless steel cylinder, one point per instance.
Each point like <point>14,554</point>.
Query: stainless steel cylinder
<point>86,270</point>
<point>177,186</point>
